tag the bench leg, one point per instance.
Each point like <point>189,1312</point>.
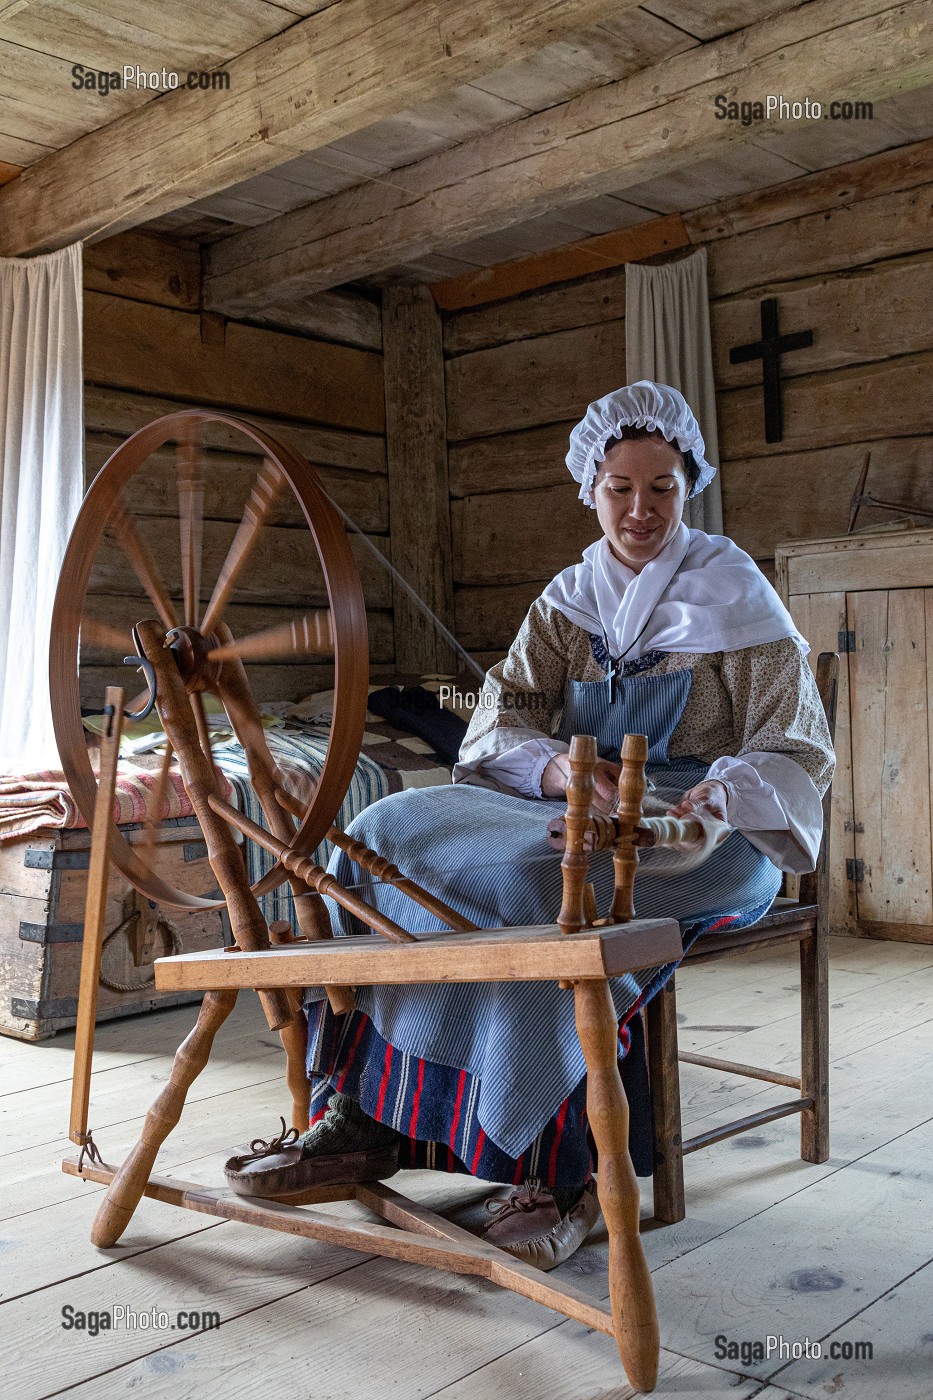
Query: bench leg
<point>664,1074</point>
<point>630,1289</point>
<point>127,1187</point>
<point>814,1045</point>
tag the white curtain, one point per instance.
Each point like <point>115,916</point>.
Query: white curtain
<point>41,485</point>
<point>667,339</point>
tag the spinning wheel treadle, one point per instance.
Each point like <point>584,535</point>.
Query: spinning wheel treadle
<point>582,951</point>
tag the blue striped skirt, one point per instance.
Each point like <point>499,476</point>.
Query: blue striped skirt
<point>491,1074</point>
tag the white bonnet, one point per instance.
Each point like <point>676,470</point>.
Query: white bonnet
<point>640,405</point>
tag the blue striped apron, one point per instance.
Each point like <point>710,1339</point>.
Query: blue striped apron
<point>485,853</point>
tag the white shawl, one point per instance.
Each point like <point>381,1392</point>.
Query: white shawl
<point>702,593</point>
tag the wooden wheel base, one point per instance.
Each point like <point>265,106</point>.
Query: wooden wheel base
<point>414,1234</point>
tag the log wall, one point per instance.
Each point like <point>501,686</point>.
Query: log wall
<point>149,351</point>
<point>848,252</point>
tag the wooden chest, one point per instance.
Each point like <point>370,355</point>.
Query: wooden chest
<point>870,597</point>
<point>43,881</point>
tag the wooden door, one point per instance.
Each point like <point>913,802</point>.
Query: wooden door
<point>890,669</point>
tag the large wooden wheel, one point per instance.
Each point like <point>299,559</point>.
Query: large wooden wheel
<point>192,609</point>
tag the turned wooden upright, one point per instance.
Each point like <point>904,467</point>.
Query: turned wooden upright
<point>631,1290</point>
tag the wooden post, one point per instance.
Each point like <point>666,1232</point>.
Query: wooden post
<point>419,500</point>
<point>630,1289</point>
<point>664,1072</point>
<point>294,1038</point>
<point>575,863</point>
<point>94,913</point>
<point>814,1041</point>
<point>631,793</point>
<point>814,962</point>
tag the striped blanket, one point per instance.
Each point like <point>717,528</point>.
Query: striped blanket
<point>37,801</point>
<point>391,761</point>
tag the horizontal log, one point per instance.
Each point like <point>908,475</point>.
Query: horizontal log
<point>284,568</point>
<point>528,460</point>
<point>870,314</point>
<point>131,345</point>
<point>854,405</point>
<point>800,495</point>
<point>229,477</point>
<point>519,536</point>
<point>490,658</point>
<point>123,411</point>
<point>268,683</point>
<point>863,232</point>
<point>856,180</point>
<point>517,275</point>
<point>584,302</point>
<point>122,614</point>
<point>145,268</point>
<point>487,618</point>
<point>339,315</point>
<point>532,382</point>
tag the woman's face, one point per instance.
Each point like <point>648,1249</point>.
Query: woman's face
<point>640,490</point>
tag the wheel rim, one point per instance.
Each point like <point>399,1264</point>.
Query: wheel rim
<point>348,624</point>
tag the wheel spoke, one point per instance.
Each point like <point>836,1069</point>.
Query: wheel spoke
<point>158,806</point>
<point>310,635</point>
<point>190,521</point>
<point>258,508</point>
<point>144,566</point>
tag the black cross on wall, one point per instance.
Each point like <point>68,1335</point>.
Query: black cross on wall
<point>769,350</point>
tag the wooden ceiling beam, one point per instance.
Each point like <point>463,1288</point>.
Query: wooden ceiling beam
<point>319,81</point>
<point>612,137</point>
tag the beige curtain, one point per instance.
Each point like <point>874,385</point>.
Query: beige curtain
<point>41,485</point>
<point>667,339</point>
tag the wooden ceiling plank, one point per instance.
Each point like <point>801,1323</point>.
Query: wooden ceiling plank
<point>610,139</point>
<point>105,34</point>
<point>319,82</point>
<point>708,20</point>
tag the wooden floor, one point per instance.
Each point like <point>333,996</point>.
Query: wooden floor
<point>771,1246</point>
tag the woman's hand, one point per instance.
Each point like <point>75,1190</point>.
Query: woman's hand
<point>556,776</point>
<point>708,798</point>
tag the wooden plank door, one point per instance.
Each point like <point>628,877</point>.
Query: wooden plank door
<point>888,674</point>
<point>820,618</point>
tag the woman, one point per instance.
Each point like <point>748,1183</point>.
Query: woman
<point>659,630</point>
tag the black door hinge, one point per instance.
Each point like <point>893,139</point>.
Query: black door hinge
<point>855,871</point>
<point>846,641</point>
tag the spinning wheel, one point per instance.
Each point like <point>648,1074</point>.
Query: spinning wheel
<point>203,650</point>
<point>185,655</point>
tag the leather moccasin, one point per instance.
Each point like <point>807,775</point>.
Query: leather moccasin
<point>529,1225</point>
<point>278,1170</point>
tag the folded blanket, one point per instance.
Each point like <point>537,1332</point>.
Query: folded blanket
<point>37,801</point>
